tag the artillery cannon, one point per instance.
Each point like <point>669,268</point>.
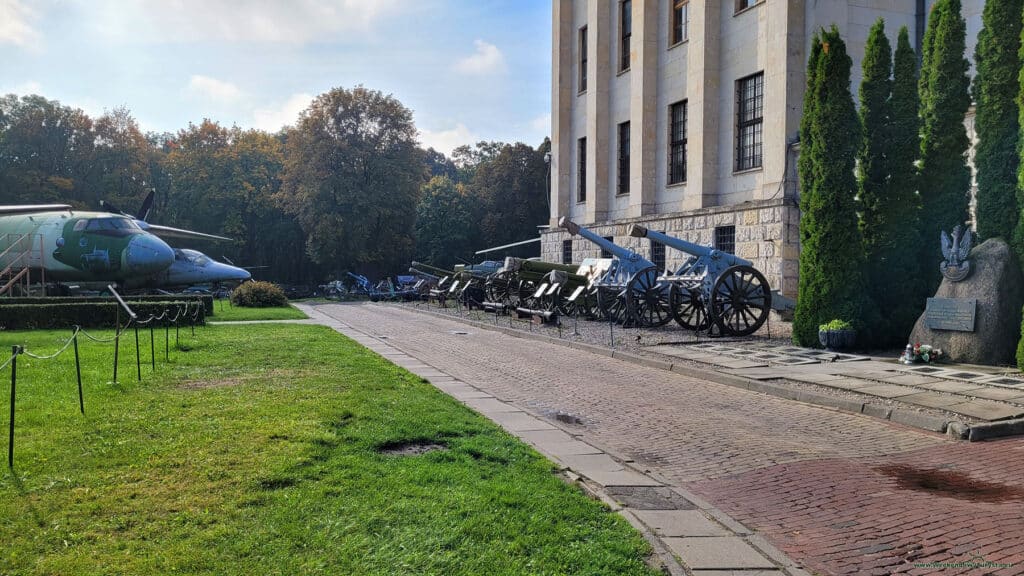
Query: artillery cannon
<point>519,283</point>
<point>713,287</point>
<point>467,281</point>
<point>629,290</point>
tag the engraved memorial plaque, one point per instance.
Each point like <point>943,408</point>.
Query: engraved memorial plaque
<point>951,314</point>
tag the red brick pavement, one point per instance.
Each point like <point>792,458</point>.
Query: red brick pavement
<point>848,516</point>
<point>807,478</point>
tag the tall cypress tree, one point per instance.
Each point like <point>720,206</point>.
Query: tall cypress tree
<point>945,179</point>
<point>831,280</point>
<point>996,85</point>
<point>888,201</point>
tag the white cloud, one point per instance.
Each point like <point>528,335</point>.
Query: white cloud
<point>292,22</point>
<point>287,114</point>
<point>212,89</point>
<point>448,140</point>
<point>15,24</point>
<point>487,59</point>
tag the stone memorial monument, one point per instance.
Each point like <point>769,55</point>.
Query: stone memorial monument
<point>975,314</point>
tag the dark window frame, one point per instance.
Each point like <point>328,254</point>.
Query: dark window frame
<point>742,5</point>
<point>567,251</point>
<point>658,256</point>
<point>623,153</point>
<point>581,170</point>
<point>625,33</point>
<point>605,253</point>
<point>677,142</point>
<point>680,22</point>
<point>725,239</point>
<point>583,48</point>
<point>749,122</point>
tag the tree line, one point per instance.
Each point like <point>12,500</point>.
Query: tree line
<point>873,205</point>
<point>348,188</point>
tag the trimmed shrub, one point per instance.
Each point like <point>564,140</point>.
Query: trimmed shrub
<point>259,295</point>
<point>1020,348</point>
<point>945,177</point>
<point>93,314</point>
<point>131,300</point>
<point>832,283</point>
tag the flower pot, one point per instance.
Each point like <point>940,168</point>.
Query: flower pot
<point>837,339</point>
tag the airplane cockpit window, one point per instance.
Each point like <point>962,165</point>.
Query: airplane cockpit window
<point>122,225</point>
<point>194,257</point>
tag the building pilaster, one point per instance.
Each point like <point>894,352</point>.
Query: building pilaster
<point>703,119</point>
<point>599,67</point>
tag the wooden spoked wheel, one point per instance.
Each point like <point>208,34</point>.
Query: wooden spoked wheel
<point>497,288</point>
<point>740,301</point>
<point>610,305</point>
<point>689,308</point>
<point>648,300</point>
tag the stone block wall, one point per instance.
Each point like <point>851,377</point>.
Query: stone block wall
<point>767,233</point>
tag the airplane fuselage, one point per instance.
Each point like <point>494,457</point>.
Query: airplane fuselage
<point>83,246</point>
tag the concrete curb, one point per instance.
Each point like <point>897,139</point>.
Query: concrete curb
<point>902,416</point>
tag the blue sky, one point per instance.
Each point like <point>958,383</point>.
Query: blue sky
<point>469,69</point>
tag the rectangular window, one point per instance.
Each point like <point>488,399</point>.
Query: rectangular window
<point>744,4</point>
<point>626,29</point>
<point>677,143</point>
<point>749,121</point>
<point>583,60</point>
<point>566,251</point>
<point>581,170</point>
<point>623,187</point>
<point>605,253</point>
<point>658,255</point>
<point>725,239</point>
<point>680,20</point>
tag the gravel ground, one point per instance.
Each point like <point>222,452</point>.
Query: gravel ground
<point>639,341</point>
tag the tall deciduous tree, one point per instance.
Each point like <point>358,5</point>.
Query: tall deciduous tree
<point>445,226</point>
<point>831,273</point>
<point>352,175</point>
<point>996,86</point>
<point>889,207</point>
<point>512,193</point>
<point>945,179</point>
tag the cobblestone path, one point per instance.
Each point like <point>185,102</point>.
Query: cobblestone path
<point>841,493</point>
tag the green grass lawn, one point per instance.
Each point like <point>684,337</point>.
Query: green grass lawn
<point>224,312</point>
<point>256,452</point>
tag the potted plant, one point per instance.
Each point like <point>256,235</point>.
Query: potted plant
<point>837,335</point>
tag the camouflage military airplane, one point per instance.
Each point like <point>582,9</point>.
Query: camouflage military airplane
<point>80,246</point>
<point>192,267</point>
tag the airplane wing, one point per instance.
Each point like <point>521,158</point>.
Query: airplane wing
<point>168,232</point>
<point>32,208</point>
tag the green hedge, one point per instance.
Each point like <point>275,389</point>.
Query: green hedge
<point>89,314</point>
<point>206,298</point>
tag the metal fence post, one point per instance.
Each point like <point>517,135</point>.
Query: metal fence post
<point>78,373</point>
<point>15,350</point>
<point>138,364</point>
<point>152,348</point>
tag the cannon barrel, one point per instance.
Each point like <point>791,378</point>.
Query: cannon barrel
<point>432,269</point>
<point>608,246</point>
<point>426,275</point>
<point>638,231</point>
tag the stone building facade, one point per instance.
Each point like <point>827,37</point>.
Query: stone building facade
<point>684,115</point>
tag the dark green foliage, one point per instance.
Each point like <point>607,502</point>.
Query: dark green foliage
<point>351,178</point>
<point>945,179</point>
<point>996,86</point>
<point>832,284</point>
<point>890,208</point>
<point>92,314</point>
<point>1020,347</point>
<point>206,299</point>
<point>259,295</point>
<point>445,226</point>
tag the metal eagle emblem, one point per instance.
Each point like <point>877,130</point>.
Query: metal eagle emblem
<point>955,249</point>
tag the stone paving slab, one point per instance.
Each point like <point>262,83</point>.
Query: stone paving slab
<point>717,553</point>
<point>849,384</point>
<point>910,379</point>
<point>519,421</point>
<point>988,410</point>
<point>621,478</point>
<point>1004,394</point>
<point>552,436</point>
<point>933,400</point>
<point>737,573</point>
<point>489,405</point>
<point>570,448</point>
<point>678,523</point>
<point>952,386</point>
<point>887,391</point>
<point>587,463</point>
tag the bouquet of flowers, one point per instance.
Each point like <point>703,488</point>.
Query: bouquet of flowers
<point>920,353</point>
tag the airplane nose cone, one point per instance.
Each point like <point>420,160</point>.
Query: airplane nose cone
<point>147,254</point>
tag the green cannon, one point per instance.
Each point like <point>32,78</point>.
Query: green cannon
<point>546,286</point>
<point>466,282</point>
